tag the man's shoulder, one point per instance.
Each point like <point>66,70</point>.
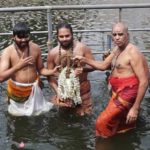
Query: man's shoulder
<point>54,50</point>
<point>7,52</point>
<point>8,48</point>
<point>34,45</point>
<point>134,51</point>
<point>133,48</point>
<point>82,46</point>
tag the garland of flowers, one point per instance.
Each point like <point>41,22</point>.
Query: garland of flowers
<point>68,83</point>
<point>69,88</point>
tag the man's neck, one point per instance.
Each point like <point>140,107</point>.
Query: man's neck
<point>22,49</point>
<point>122,48</point>
<point>67,48</point>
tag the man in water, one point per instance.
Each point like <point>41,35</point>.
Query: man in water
<point>128,80</point>
<point>22,64</point>
<point>72,88</point>
<point>62,55</point>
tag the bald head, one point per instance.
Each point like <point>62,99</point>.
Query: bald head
<point>120,35</point>
<point>120,25</point>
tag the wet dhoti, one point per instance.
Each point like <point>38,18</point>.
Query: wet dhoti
<point>86,106</point>
<point>113,119</point>
<point>26,99</point>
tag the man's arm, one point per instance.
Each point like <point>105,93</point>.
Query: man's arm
<point>99,65</point>
<point>51,79</point>
<point>88,54</point>
<point>140,67</point>
<point>40,66</point>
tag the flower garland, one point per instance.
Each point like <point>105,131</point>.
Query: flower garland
<point>69,88</point>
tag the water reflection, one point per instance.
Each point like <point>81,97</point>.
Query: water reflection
<point>129,141</point>
<point>56,130</point>
<point>63,130</point>
<point>120,142</point>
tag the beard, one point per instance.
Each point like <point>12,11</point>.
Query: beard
<point>22,44</point>
<point>66,44</point>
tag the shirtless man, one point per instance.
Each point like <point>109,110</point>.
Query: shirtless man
<point>129,81</point>
<point>62,55</point>
<point>22,63</point>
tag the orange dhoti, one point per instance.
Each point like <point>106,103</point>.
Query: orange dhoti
<point>26,99</point>
<point>86,106</point>
<point>18,93</point>
<point>113,119</point>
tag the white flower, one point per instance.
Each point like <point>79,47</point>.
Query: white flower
<point>69,88</point>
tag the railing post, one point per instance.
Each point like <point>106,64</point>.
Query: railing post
<point>120,14</point>
<point>13,20</point>
<point>109,41</point>
<point>49,24</point>
<point>103,42</point>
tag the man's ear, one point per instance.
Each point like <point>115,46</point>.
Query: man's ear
<point>12,37</point>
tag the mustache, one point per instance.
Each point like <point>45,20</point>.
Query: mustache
<point>66,46</point>
<point>22,44</point>
<point>66,43</point>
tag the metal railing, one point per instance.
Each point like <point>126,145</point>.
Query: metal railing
<point>49,10</point>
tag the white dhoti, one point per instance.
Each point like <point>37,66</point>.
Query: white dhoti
<point>34,105</point>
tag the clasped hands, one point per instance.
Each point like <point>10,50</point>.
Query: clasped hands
<point>63,103</point>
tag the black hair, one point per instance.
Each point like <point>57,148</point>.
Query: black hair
<point>21,28</point>
<point>64,25</point>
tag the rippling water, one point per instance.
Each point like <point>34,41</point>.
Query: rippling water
<point>65,131</point>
